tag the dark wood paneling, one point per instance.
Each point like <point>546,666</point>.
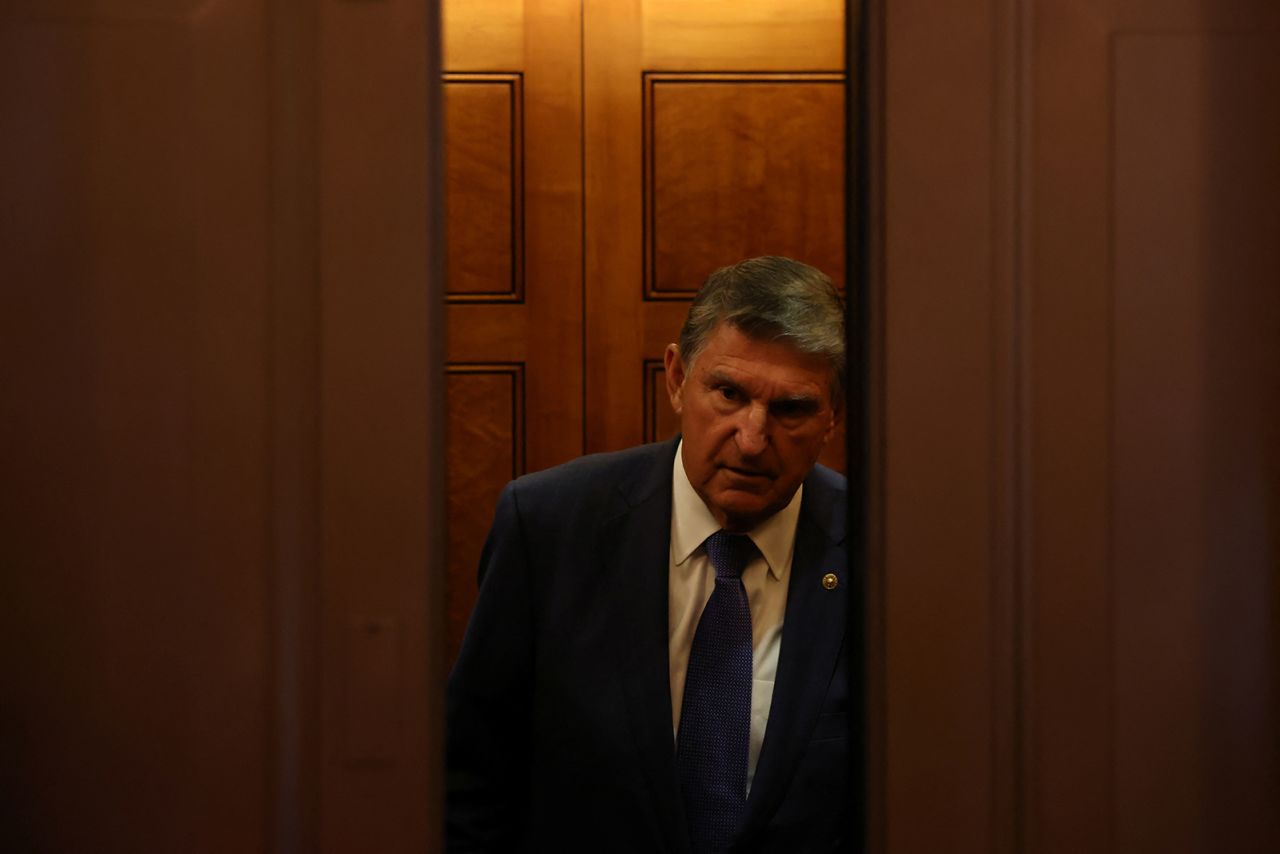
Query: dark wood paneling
<point>1094,317</point>
<point>295,425</point>
<point>518,111</point>
<point>81,12</point>
<point>1196,383</point>
<point>1081,406</point>
<point>136,587</point>
<point>373,708</point>
<point>1240,302</point>
<point>380,283</point>
<point>186,183</point>
<point>1152,177</point>
<point>940,478</point>
<point>1157,414</point>
<point>739,165</point>
<point>484,187</point>
<point>486,449</point>
<point>1069,769</point>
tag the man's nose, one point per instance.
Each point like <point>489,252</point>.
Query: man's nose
<point>753,432</point>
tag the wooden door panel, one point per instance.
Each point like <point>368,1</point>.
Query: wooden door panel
<point>484,187</point>
<point>513,158</point>
<point>739,35</point>
<point>380,400</point>
<point>137,597</point>
<point>483,35</point>
<point>186,183</point>
<point>1182,397</point>
<point>512,76</point>
<point>739,165</point>
<point>1079,647</point>
<point>486,414</point>
<point>1156,188</point>
<point>492,331</point>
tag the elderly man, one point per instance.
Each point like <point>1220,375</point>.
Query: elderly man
<point>656,661</point>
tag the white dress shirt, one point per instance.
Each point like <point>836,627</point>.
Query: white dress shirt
<point>692,578</point>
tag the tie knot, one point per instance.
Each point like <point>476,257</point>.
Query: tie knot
<point>729,553</point>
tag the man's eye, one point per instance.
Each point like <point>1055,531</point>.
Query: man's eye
<point>728,392</point>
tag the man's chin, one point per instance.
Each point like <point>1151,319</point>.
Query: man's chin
<point>742,510</point>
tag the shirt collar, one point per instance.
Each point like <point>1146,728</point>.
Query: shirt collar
<point>692,523</point>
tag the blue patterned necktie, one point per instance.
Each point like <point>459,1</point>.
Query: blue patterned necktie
<point>715,717</point>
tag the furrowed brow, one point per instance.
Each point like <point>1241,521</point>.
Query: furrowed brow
<point>715,378</point>
<point>796,400</point>
<point>798,404</point>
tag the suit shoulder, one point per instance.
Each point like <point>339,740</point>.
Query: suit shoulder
<point>594,477</point>
<point>826,500</point>
<point>829,479</point>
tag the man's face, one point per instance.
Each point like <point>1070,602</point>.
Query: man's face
<point>755,416</point>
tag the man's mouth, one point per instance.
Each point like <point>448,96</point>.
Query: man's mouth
<point>747,472</point>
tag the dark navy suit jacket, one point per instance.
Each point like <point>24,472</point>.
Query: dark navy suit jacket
<point>559,707</point>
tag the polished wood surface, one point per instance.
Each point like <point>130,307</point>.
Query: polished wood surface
<point>219,343</point>
<point>223,400</point>
<point>485,36</point>
<point>941,447</point>
<point>728,35</point>
<point>381,407</point>
<point>513,150</point>
<point>486,415</point>
<point>1078,401</point>
<point>1155,406</point>
<point>484,187</point>
<point>532,49</point>
<point>719,150</point>
<point>134,331</point>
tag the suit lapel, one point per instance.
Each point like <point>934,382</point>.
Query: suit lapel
<point>636,544</point>
<point>812,633</point>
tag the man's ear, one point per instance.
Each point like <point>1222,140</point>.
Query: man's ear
<point>837,418</point>
<point>673,368</point>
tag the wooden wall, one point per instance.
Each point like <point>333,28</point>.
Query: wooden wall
<point>220,454</point>
<point>222,393</point>
<point>1078,324</point>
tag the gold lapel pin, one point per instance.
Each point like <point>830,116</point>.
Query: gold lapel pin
<point>830,581</point>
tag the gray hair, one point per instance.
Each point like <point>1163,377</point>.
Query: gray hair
<point>771,298</point>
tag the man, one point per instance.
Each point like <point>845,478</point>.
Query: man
<point>656,660</point>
